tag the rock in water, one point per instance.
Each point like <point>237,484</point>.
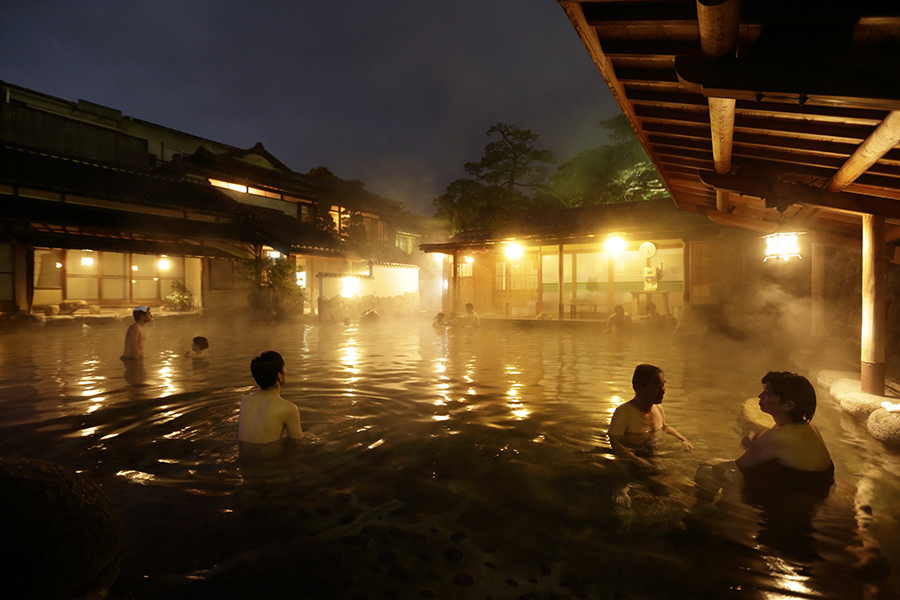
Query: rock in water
<point>61,537</point>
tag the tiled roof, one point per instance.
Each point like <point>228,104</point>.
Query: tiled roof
<point>209,165</point>
<point>656,219</point>
<point>26,168</point>
<point>124,191</point>
<point>290,232</point>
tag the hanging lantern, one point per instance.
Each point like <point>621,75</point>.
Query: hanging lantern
<point>782,246</point>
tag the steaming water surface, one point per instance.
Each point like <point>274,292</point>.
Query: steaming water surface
<point>450,463</point>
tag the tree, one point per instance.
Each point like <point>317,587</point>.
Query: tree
<point>616,172</point>
<point>353,231</point>
<point>507,181</point>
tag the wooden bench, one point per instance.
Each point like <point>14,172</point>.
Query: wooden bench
<point>574,306</point>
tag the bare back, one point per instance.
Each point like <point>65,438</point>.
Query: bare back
<point>134,341</point>
<point>265,417</point>
<point>795,446</point>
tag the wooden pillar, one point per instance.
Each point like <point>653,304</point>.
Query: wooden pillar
<point>574,307</point>
<point>507,281</point>
<point>873,310</point>
<point>562,264</point>
<point>454,284</point>
<point>539,302</point>
<point>686,258</point>
<point>817,308</point>
<point>611,281</point>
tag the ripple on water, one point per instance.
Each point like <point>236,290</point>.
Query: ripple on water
<point>421,438</point>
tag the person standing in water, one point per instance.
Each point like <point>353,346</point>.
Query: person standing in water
<point>134,337</point>
<point>634,425</point>
<point>265,416</point>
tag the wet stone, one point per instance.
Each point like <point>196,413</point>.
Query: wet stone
<point>453,555</point>
<point>458,537</point>
<point>360,540</point>
<point>398,572</point>
<point>463,579</point>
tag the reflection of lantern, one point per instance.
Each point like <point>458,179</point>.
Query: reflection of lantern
<point>782,246</point>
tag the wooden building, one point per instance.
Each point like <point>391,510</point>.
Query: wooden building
<point>768,116</point>
<point>582,262</point>
<point>110,210</point>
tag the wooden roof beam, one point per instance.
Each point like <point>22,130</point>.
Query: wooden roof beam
<point>883,139</point>
<point>720,22</point>
<point>862,84</point>
<point>780,194</point>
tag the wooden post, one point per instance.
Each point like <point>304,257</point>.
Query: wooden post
<point>562,264</point>
<point>873,309</point>
<point>539,303</point>
<point>817,308</point>
<point>454,292</point>
<point>507,281</point>
<point>611,280</point>
<point>686,259</point>
<point>574,285</point>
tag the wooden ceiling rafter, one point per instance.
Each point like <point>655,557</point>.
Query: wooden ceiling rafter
<point>790,123</point>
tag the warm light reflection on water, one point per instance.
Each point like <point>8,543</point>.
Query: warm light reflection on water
<point>496,422</point>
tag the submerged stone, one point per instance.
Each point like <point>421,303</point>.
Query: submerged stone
<point>61,535</point>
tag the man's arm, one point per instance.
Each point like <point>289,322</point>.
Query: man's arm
<point>674,432</point>
<point>139,343</point>
<point>292,421</point>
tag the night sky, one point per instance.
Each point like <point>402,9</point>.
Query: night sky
<point>396,93</point>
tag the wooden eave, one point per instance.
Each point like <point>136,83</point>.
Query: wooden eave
<point>811,97</point>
